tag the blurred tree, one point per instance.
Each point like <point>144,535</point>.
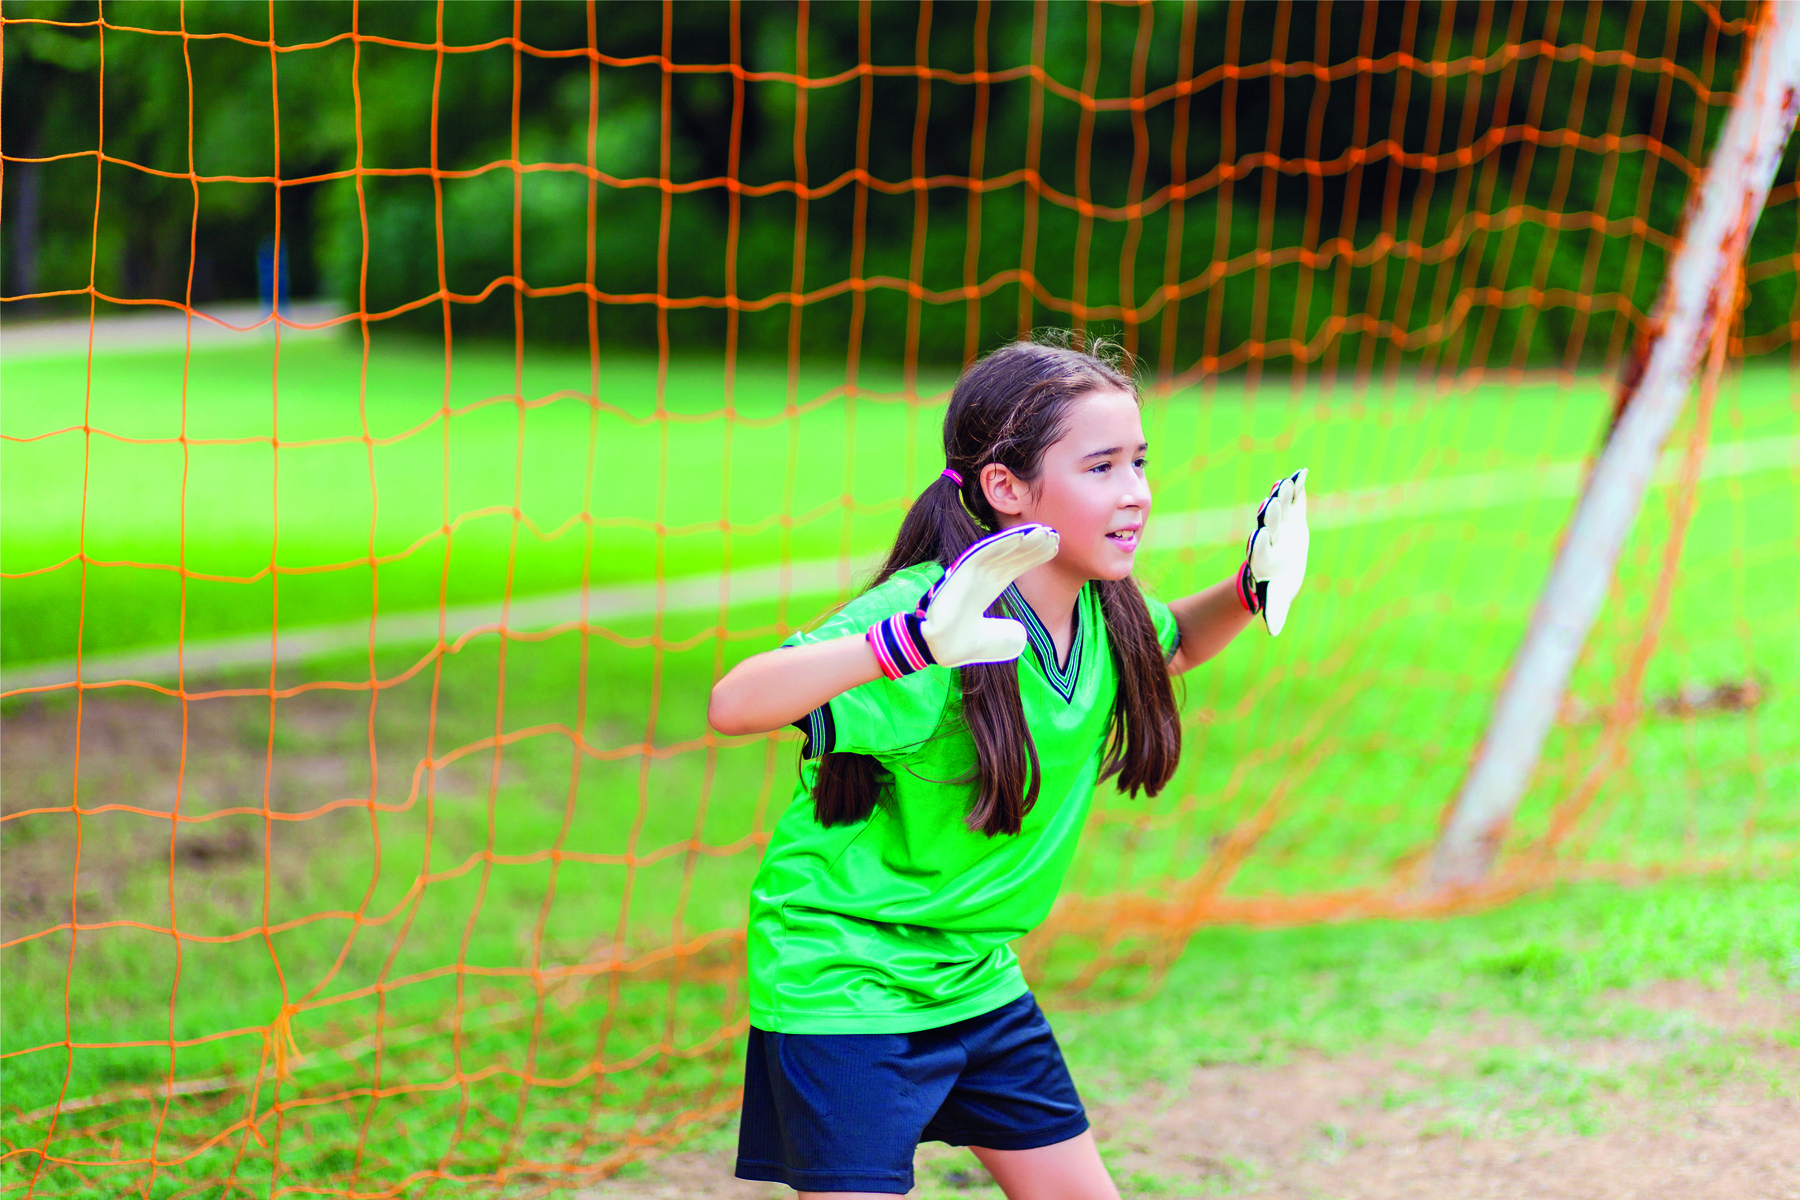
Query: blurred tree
<point>398,106</point>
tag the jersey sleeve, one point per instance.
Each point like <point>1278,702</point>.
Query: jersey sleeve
<point>886,718</point>
<point>1167,631</point>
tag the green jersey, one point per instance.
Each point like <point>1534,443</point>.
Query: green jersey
<point>902,922</point>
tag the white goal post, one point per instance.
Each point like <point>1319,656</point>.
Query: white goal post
<point>1698,292</point>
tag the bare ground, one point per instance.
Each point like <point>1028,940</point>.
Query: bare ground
<point>133,773</point>
<point>130,759</point>
<point>1710,1110</point>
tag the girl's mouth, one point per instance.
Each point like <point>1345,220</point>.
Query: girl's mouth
<point>1124,539</point>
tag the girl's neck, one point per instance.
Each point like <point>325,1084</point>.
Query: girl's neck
<point>1052,594</point>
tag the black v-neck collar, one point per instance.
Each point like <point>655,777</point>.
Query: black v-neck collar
<point>1062,677</point>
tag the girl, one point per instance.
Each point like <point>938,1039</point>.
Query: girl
<point>946,773</point>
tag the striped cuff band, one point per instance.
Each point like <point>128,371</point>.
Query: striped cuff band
<point>1246,590</point>
<point>899,644</point>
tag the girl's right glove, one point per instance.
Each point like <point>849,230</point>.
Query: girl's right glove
<point>951,627</point>
<point>1275,557</point>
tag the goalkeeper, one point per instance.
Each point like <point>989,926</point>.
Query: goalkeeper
<point>958,715</point>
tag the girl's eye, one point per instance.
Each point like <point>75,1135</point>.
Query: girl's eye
<point>1102,468</point>
<point>1139,463</point>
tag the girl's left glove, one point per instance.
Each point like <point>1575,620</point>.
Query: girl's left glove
<point>951,627</point>
<point>1275,557</point>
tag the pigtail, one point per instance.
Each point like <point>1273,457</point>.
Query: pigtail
<point>1006,758</point>
<point>1144,744</point>
<point>937,528</point>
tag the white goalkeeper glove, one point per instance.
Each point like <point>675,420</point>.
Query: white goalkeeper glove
<point>951,627</point>
<point>1275,557</point>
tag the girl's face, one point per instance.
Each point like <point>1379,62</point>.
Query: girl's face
<point>1090,488</point>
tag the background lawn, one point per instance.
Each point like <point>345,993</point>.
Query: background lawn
<point>526,485</point>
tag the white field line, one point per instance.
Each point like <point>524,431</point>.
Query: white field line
<point>156,327</point>
<point>828,576</point>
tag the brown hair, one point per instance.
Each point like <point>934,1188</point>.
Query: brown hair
<point>1008,408</point>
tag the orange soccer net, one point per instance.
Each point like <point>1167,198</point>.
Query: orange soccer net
<point>362,829</point>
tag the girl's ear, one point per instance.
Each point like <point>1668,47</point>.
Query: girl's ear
<point>1005,492</point>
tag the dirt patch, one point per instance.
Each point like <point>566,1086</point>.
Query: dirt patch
<point>1496,1111</point>
<point>128,758</point>
<point>1747,1005</point>
<point>1404,1125</point>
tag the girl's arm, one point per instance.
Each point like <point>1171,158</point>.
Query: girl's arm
<point>1274,566</point>
<point>774,689</point>
<point>1208,621</point>
<point>778,687</point>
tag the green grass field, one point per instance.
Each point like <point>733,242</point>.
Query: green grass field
<point>1356,725</point>
<point>593,485</point>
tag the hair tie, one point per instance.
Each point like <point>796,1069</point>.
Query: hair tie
<point>953,477</point>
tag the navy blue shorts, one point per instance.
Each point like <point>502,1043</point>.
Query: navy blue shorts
<point>843,1112</point>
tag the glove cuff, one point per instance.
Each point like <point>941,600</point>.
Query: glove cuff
<point>899,644</point>
<point>1250,593</point>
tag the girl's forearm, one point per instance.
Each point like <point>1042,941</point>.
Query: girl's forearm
<point>778,687</point>
<point>1208,621</point>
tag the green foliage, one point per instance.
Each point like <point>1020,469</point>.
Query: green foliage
<point>1517,211</point>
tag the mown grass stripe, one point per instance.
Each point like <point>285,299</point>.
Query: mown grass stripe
<point>818,577</point>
